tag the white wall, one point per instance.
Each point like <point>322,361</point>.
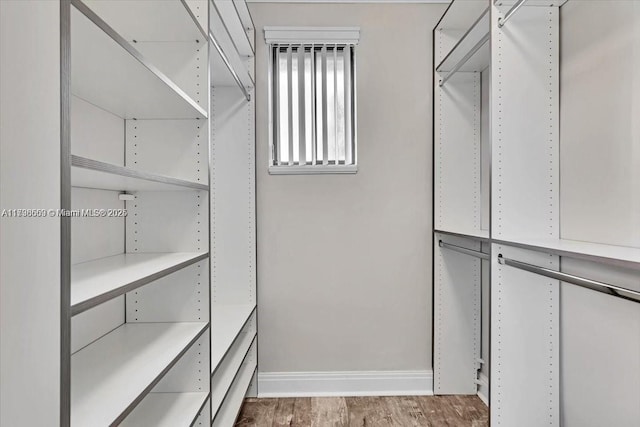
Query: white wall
<point>344,261</point>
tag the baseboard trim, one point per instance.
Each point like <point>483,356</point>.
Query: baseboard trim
<point>347,383</point>
<point>483,389</point>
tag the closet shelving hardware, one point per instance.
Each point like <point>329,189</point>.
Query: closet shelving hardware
<point>221,386</point>
<point>463,250</point>
<point>471,53</point>
<point>132,359</point>
<point>234,27</point>
<point>228,65</point>
<point>108,71</point>
<point>510,12</point>
<point>593,285</point>
<point>98,281</point>
<point>227,323</point>
<point>91,173</point>
<point>167,410</point>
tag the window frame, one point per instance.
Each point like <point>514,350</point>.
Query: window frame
<point>275,37</point>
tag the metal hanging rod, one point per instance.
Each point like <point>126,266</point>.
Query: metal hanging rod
<point>594,285</point>
<point>229,66</point>
<point>510,13</point>
<point>465,58</point>
<point>462,250</point>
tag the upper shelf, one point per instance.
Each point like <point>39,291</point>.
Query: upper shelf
<point>107,71</point>
<point>471,53</point>
<point>460,16</point>
<point>247,20</point>
<point>95,282</point>
<point>144,20</point>
<point>621,256</point>
<point>112,375</point>
<point>90,173</point>
<point>228,67</point>
<point>239,36</point>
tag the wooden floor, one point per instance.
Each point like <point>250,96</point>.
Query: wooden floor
<point>431,411</point>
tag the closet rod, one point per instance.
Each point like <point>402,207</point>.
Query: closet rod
<point>465,58</point>
<point>510,13</point>
<point>594,285</point>
<point>229,66</point>
<point>462,250</point>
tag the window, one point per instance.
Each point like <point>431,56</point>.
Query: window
<point>312,100</point>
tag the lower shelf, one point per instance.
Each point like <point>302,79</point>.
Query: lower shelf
<point>228,412</point>
<point>222,380</point>
<point>227,320</point>
<point>113,374</point>
<point>167,410</point>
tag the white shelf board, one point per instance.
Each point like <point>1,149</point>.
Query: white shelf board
<point>227,320</point>
<point>223,379</point>
<point>247,20</point>
<point>113,374</point>
<point>223,43</point>
<point>97,281</point>
<point>506,4</point>
<point>166,410</point>
<point>461,14</point>
<point>109,72</point>
<point>228,413</point>
<point>89,173</point>
<point>473,234</point>
<point>231,18</point>
<point>144,20</point>
<point>623,256</point>
<point>477,60</point>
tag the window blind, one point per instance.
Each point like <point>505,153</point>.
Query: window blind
<point>313,104</point>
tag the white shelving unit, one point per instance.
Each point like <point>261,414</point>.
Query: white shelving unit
<point>232,176</point>
<point>462,61</point>
<point>139,282</point>
<point>533,203</point>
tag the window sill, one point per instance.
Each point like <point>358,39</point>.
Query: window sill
<point>313,169</point>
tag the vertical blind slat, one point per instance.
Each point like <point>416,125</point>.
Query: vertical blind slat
<point>347,105</point>
<point>302,117</point>
<point>290,103</point>
<point>325,128</point>
<point>312,72</point>
<point>276,106</point>
<point>335,104</point>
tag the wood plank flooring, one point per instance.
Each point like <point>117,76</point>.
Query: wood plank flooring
<point>401,411</point>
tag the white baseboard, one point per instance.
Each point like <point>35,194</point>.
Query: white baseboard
<point>358,383</point>
<point>483,389</point>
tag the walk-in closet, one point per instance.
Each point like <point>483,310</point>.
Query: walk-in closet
<point>320,213</point>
